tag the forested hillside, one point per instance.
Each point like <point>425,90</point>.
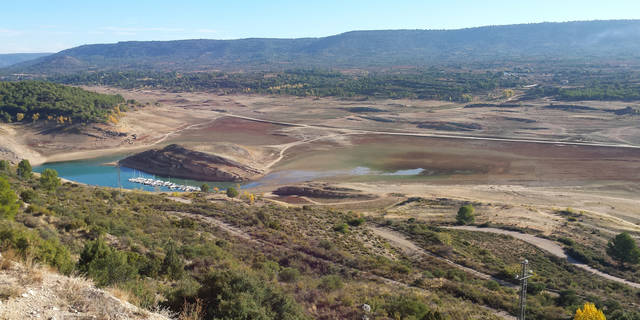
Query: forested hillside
<point>35,100</point>
<point>430,84</point>
<point>573,42</point>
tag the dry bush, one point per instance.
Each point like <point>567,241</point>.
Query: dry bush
<point>34,273</point>
<point>9,291</point>
<point>32,276</point>
<point>73,292</point>
<point>8,257</point>
<point>191,311</point>
<point>121,294</point>
<point>163,313</point>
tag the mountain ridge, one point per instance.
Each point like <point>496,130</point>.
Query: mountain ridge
<point>589,41</point>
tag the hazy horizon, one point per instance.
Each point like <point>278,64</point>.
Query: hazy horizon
<point>53,27</point>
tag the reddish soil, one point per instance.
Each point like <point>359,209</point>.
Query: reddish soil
<point>241,131</point>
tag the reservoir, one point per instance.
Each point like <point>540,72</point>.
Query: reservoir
<point>101,172</point>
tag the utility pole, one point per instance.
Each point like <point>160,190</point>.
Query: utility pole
<point>526,274</point>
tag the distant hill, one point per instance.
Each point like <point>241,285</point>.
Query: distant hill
<point>590,41</point>
<point>13,58</point>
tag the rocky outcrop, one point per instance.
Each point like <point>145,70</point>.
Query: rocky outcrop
<point>179,162</point>
<point>321,192</point>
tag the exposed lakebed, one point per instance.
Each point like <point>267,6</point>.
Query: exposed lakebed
<point>102,172</point>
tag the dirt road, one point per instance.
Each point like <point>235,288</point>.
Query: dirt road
<point>434,135</point>
<point>398,240</point>
<point>551,247</point>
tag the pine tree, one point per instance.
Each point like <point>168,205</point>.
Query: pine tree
<point>8,200</point>
<point>24,169</point>
<point>624,249</point>
<point>49,180</point>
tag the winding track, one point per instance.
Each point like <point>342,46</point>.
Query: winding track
<point>550,247</point>
<point>398,240</point>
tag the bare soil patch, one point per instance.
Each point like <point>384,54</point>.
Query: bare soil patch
<point>240,131</point>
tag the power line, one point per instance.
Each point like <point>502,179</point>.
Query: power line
<point>526,274</point>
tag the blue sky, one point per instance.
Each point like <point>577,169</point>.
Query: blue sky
<point>54,25</point>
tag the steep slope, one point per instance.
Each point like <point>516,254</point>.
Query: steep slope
<point>586,41</point>
<point>34,292</point>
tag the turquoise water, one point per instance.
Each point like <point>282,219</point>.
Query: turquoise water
<point>96,172</point>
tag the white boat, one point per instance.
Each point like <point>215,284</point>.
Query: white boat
<point>161,183</point>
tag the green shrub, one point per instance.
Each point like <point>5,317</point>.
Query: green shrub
<point>534,288</point>
<point>269,269</point>
<point>342,228</point>
<point>409,307</point>
<point>331,282</point>
<point>172,265</point>
<point>237,294</point>
<point>492,285</point>
<point>4,165</point>
<point>325,244</point>
<point>143,291</point>
<point>105,265</point>
<point>567,298</point>
<point>578,254</point>
<point>232,192</point>
<point>28,195</point>
<point>355,222</point>
<point>288,275</point>
<point>465,214</point>
<point>46,251</point>
<point>566,241</point>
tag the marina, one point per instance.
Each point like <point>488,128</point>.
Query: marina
<point>101,172</point>
<point>162,183</point>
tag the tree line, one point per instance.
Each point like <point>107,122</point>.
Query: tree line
<point>426,84</point>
